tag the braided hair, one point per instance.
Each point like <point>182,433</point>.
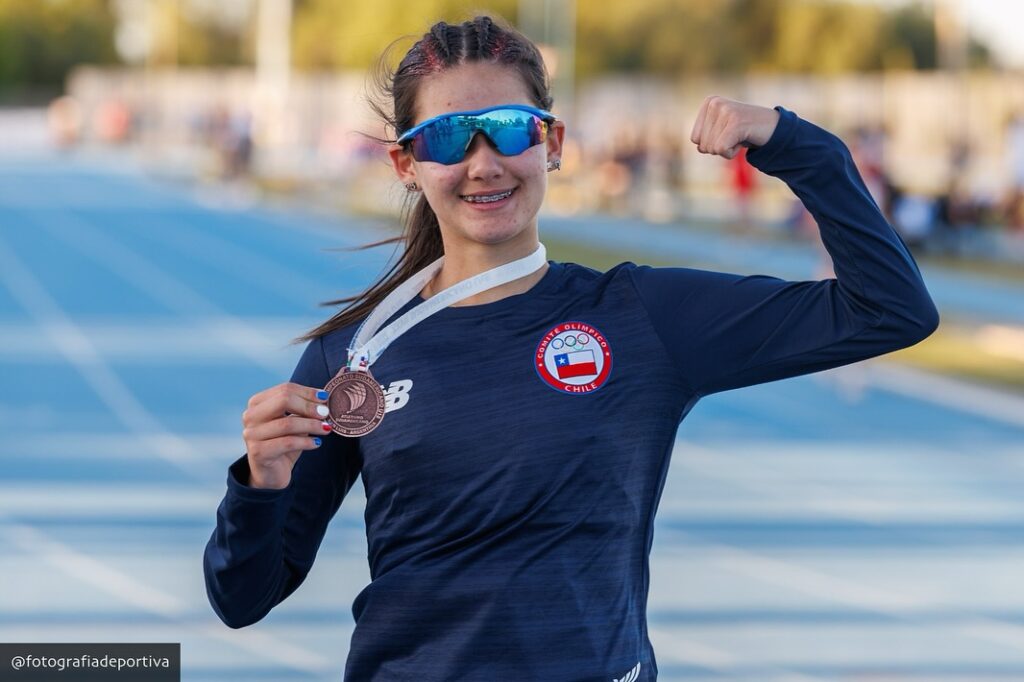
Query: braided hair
<point>444,46</point>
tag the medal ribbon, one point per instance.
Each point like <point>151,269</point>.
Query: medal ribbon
<point>368,344</point>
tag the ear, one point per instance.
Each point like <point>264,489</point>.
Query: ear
<point>556,136</point>
<point>402,161</point>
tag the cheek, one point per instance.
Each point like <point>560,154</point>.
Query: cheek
<point>530,168</point>
<point>534,174</point>
<point>441,181</point>
<point>536,158</point>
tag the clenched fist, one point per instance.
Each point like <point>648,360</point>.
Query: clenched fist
<point>724,125</point>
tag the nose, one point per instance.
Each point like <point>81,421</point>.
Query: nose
<point>482,160</point>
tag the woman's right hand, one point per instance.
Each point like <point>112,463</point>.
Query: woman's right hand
<point>278,425</point>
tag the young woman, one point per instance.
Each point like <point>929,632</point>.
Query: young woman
<point>512,417</point>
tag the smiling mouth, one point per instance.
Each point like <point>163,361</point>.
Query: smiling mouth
<point>488,198</point>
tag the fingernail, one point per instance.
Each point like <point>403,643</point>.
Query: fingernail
<point>321,395</point>
<point>317,441</point>
<point>325,426</point>
<point>322,410</point>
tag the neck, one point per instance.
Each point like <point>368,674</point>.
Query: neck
<point>463,263</point>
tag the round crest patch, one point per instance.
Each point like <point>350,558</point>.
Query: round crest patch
<point>573,357</point>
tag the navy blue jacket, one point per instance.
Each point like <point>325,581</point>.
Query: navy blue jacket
<point>512,486</point>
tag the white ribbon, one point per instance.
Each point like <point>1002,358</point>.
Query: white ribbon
<point>367,345</point>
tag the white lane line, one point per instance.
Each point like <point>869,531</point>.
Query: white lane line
<point>150,433</point>
<point>106,446</point>
<point>122,586</point>
<point>950,393</point>
<point>324,221</point>
<point>815,583</point>
<point>135,501</point>
<point>140,272</point>
<point>803,580</point>
<point>800,579</point>
<point>867,496</point>
<point>234,258</point>
<point>64,501</point>
<point>190,339</point>
<point>79,352</point>
<point>819,499</point>
<point>693,653</point>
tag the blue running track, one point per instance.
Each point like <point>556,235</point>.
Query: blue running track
<point>860,524</point>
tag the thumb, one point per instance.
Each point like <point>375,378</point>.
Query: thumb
<point>731,152</point>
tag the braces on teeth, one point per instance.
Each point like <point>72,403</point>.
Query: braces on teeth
<point>488,199</point>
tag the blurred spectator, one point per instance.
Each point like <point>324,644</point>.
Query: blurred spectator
<point>238,146</point>
<point>64,117</point>
<point>914,217</point>
<point>630,152</point>
<point>1014,203</point>
<point>1013,210</point>
<point>743,185</point>
<point>613,184</point>
<point>662,199</point>
<point>113,122</point>
<point>957,211</point>
<point>1015,147</point>
<point>867,146</point>
<point>229,136</point>
<point>672,146</point>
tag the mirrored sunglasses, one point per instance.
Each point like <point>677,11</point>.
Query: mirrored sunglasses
<point>511,128</point>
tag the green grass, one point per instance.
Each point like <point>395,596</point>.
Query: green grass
<point>953,350</point>
<point>1009,272</point>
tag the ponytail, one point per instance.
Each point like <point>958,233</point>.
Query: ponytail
<point>423,245</point>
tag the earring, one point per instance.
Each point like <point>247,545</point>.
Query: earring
<point>554,165</point>
<point>412,186</point>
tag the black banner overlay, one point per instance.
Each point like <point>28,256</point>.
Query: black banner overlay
<point>67,662</point>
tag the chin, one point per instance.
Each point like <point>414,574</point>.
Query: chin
<point>494,238</point>
<point>498,235</point>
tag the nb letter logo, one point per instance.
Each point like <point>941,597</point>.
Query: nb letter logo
<point>397,395</point>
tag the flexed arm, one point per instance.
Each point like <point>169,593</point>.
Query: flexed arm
<point>725,331</point>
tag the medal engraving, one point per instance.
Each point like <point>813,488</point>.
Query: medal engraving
<point>356,403</point>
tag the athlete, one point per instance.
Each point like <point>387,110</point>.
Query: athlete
<point>511,417</point>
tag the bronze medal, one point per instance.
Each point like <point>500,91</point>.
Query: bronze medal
<point>356,402</point>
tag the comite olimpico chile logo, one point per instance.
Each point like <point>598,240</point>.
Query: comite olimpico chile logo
<point>573,357</point>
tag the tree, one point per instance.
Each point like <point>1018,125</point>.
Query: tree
<point>40,42</point>
<point>330,35</point>
<point>671,37</point>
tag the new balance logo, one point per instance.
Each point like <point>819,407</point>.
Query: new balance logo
<point>632,676</point>
<point>397,395</point>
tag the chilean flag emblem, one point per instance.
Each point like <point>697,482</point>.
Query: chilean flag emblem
<point>573,357</point>
<point>580,363</point>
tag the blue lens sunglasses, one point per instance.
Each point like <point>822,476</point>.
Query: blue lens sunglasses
<point>511,128</point>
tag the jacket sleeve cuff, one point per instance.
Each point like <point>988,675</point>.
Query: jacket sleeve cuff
<point>239,488</point>
<point>761,157</point>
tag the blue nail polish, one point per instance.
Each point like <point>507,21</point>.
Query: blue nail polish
<point>321,395</point>
<point>317,441</point>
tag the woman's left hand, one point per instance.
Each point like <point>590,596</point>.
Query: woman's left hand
<point>724,125</point>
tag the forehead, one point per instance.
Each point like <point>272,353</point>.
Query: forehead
<point>473,85</point>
